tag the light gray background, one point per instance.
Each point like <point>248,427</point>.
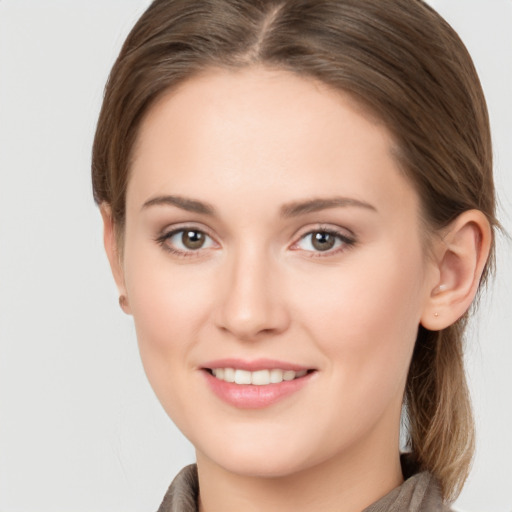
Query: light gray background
<point>80,430</point>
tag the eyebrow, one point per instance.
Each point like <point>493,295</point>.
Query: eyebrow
<point>190,205</point>
<point>314,205</point>
<point>292,209</point>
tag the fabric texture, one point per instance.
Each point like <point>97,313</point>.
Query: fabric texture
<point>420,492</point>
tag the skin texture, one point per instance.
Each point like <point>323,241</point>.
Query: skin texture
<point>251,144</point>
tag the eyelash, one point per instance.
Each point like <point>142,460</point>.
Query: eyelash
<point>346,242</point>
<point>163,239</point>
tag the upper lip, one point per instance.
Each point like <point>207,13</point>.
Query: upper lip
<point>254,365</point>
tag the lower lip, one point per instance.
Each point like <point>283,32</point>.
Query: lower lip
<point>249,396</point>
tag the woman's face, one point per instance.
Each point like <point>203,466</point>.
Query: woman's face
<point>270,235</point>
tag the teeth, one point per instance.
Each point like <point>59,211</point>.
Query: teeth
<point>257,378</point>
<point>242,377</point>
<point>260,378</point>
<point>289,375</point>
<point>276,376</point>
<point>229,374</point>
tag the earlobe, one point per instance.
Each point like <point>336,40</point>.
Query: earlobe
<point>114,256</point>
<point>461,256</point>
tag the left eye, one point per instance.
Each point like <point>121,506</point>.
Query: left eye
<point>186,240</point>
<point>322,241</point>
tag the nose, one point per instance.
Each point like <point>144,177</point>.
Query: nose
<point>252,303</point>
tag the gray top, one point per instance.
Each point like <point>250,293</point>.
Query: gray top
<point>420,492</point>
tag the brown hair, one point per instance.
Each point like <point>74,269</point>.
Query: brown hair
<point>403,62</point>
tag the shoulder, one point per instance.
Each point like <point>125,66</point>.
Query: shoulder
<point>183,492</point>
<point>420,492</point>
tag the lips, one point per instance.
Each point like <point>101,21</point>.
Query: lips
<point>256,384</point>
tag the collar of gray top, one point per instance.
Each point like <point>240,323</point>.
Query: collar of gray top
<point>420,492</point>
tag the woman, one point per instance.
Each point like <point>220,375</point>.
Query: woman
<point>298,207</point>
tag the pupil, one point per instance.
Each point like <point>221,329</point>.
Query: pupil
<point>323,241</point>
<point>193,239</point>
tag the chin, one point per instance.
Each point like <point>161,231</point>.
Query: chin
<point>272,459</point>
<point>263,467</point>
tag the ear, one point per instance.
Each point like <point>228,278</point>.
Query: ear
<point>114,255</point>
<point>460,257</point>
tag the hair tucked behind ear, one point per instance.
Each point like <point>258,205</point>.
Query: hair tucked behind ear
<point>407,66</point>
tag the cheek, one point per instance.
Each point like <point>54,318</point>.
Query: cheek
<point>367,292</point>
<point>364,317</point>
<point>169,306</point>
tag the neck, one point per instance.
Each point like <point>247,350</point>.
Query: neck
<point>348,483</point>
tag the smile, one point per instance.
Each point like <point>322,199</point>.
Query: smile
<point>256,384</point>
<point>257,378</point>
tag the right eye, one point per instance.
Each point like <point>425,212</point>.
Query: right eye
<point>185,241</point>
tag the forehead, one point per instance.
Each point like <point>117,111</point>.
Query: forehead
<point>261,130</point>
<point>256,97</point>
